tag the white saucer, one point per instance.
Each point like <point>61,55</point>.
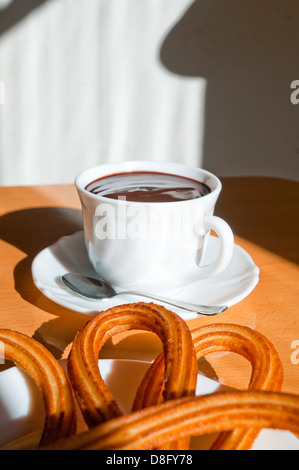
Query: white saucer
<point>22,409</point>
<point>69,254</point>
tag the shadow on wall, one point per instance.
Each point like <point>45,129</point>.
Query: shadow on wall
<point>247,53</point>
<point>15,11</point>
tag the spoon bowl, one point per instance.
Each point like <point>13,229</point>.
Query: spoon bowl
<point>94,288</point>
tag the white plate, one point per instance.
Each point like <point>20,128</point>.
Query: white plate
<point>69,254</point>
<point>22,412</point>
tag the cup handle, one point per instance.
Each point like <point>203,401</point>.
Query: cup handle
<point>226,240</point>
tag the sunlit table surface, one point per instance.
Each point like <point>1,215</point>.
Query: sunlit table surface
<point>263,213</point>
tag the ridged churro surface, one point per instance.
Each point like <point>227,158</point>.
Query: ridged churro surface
<point>156,425</point>
<point>33,358</point>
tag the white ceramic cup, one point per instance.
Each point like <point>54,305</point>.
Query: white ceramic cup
<point>155,247</point>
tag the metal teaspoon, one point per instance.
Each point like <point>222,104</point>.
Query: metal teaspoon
<point>102,290</point>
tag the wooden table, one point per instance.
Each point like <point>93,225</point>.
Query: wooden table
<point>263,214</point>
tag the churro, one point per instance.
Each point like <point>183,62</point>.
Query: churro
<point>267,373</point>
<point>176,419</point>
<point>33,358</point>
<point>165,412</point>
<point>179,375</point>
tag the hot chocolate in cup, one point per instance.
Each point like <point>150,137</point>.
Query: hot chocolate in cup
<point>147,224</point>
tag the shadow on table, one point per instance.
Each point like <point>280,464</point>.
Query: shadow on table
<point>32,230</point>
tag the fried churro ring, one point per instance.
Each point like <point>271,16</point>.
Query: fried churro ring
<point>95,400</point>
<point>267,372</point>
<point>33,358</point>
<point>176,419</point>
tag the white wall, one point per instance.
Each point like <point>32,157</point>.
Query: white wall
<point>247,51</point>
<point>205,82</point>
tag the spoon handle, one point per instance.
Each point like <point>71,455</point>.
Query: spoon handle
<point>200,309</point>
